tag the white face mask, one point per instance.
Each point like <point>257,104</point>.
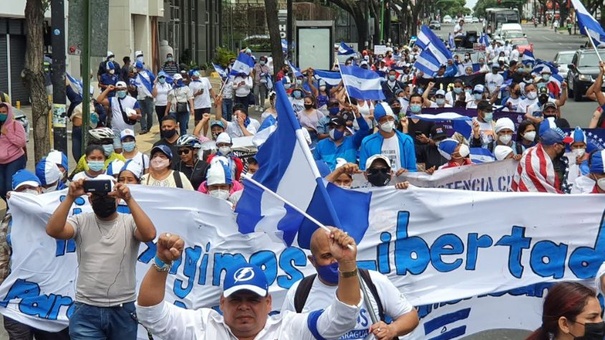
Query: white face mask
<point>31,191</point>
<point>219,193</point>
<point>505,139</point>
<point>224,150</point>
<point>50,189</point>
<point>388,126</point>
<point>464,150</point>
<point>579,152</point>
<point>530,136</point>
<point>532,95</point>
<point>159,163</point>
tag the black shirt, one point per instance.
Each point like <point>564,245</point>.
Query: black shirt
<point>196,173</point>
<point>431,157</point>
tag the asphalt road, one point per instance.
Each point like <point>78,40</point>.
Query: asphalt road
<point>546,45</point>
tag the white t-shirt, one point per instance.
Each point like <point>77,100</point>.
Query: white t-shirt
<point>394,303</point>
<point>201,101</point>
<point>486,130</point>
<point>161,98</point>
<point>141,159</point>
<point>524,103</point>
<point>514,102</point>
<point>493,81</point>
<point>390,148</point>
<point>233,129</point>
<point>535,109</point>
<point>471,104</point>
<point>458,31</point>
<point>80,175</point>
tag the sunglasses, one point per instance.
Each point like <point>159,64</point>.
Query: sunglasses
<point>161,77</point>
<point>375,171</point>
<point>184,151</point>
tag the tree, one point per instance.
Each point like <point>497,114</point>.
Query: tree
<point>273,26</point>
<point>358,11</point>
<point>33,75</point>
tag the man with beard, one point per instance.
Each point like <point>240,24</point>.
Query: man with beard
<point>107,245</point>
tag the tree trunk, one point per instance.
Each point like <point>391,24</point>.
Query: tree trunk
<point>362,29</point>
<point>273,26</point>
<point>33,75</point>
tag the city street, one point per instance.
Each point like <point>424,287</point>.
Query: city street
<point>546,45</point>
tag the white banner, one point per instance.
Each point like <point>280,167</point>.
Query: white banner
<point>492,176</point>
<point>436,245</point>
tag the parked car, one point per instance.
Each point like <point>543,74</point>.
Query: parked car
<point>522,44</point>
<point>468,19</point>
<point>507,35</point>
<point>475,20</point>
<point>447,19</point>
<point>435,25</point>
<point>562,60</point>
<point>582,72</point>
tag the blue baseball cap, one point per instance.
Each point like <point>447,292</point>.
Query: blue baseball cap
<point>48,172</point>
<point>25,177</point>
<point>555,136</point>
<point>245,277</point>
<point>163,149</point>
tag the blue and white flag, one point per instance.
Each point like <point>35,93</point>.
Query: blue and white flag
<point>75,83</point>
<point>528,57</point>
<point>288,169</point>
<point>481,155</point>
<point>221,72</point>
<point>243,64</point>
<point>427,39</point>
<point>267,127</point>
<point>284,45</point>
<point>588,24</point>
<point>544,66</point>
<point>362,84</point>
<point>344,49</point>
<point>427,63</point>
<point>484,40</point>
<point>295,70</point>
<point>331,78</point>
<point>451,42</point>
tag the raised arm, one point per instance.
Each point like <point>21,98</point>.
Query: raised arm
<point>102,98</point>
<point>57,225</point>
<point>145,231</point>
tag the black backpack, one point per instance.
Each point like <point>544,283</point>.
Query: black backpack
<point>304,287</point>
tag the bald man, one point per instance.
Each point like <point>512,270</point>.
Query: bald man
<point>318,290</point>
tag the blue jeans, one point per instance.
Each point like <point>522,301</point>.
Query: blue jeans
<point>76,142</point>
<point>183,119</point>
<point>147,110</point>
<point>227,108</point>
<point>111,323</point>
<point>6,174</point>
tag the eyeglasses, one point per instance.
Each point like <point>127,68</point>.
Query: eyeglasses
<point>184,151</point>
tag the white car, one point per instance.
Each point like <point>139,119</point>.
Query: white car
<point>468,19</point>
<point>475,20</point>
<point>562,59</point>
<point>447,19</point>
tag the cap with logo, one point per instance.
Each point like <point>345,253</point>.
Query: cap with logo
<point>126,133</point>
<point>219,171</point>
<point>438,132</point>
<point>121,84</point>
<point>337,121</point>
<point>245,277</point>
<point>555,136</point>
<point>372,159</point>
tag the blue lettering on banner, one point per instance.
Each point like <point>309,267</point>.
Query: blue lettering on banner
<point>69,246</point>
<point>502,183</point>
<point>32,303</point>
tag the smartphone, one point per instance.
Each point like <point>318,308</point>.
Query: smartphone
<point>418,133</point>
<point>102,186</point>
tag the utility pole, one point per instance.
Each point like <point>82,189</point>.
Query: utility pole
<point>289,28</point>
<point>59,120</point>
<point>85,72</point>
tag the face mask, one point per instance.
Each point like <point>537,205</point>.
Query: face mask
<point>170,59</point>
<point>520,70</point>
<point>111,59</point>
<point>530,136</point>
<point>457,90</point>
<point>592,331</point>
<point>495,71</point>
<point>468,92</point>
<point>440,101</point>
<point>128,146</point>
<point>387,127</point>
<point>505,139</point>
<point>262,63</point>
<point>159,163</point>
<point>219,193</point>
<point>601,183</point>
<point>322,88</point>
<point>379,178</point>
<point>328,273</point>
<point>415,108</point>
<point>104,206</point>
<point>579,152</point>
<point>396,110</point>
<point>96,165</point>
<point>308,106</point>
<point>112,71</point>
<point>488,116</point>
<point>392,78</point>
<point>3,117</point>
<point>298,82</point>
<point>334,110</point>
<point>224,150</point>
<point>464,150</point>
<point>297,94</point>
<point>287,86</point>
<point>121,94</point>
<point>162,80</point>
<point>336,134</point>
<point>180,83</point>
<point>546,77</point>
<point>31,191</point>
<point>169,133</point>
<point>478,96</point>
<point>517,92</point>
<point>532,95</point>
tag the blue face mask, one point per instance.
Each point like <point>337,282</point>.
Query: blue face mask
<point>328,273</point>
<point>96,165</point>
<point>457,90</point>
<point>128,146</point>
<point>334,110</point>
<point>108,149</point>
<point>121,94</point>
<point>297,94</point>
<point>415,108</point>
<point>336,134</point>
<point>162,80</point>
<point>3,118</point>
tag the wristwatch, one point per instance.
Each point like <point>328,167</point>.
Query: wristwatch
<point>345,275</point>
<point>160,265</point>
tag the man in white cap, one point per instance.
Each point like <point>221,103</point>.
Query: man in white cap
<point>246,302</point>
<point>379,172</point>
<point>110,58</point>
<point>125,111</point>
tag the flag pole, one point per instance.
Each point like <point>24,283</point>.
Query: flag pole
<point>344,83</point>
<point>589,37</point>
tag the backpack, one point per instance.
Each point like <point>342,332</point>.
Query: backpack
<point>304,287</point>
<point>177,179</point>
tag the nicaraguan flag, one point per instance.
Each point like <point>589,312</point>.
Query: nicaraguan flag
<point>427,39</point>
<point>243,64</point>
<point>75,83</point>
<point>481,155</point>
<point>288,169</point>
<point>528,57</point>
<point>484,40</point>
<point>331,78</point>
<point>295,70</point>
<point>588,24</point>
<point>267,127</point>
<point>544,66</point>
<point>427,63</point>
<point>284,45</point>
<point>345,49</point>
<point>450,41</point>
<point>221,72</point>
<point>362,84</point>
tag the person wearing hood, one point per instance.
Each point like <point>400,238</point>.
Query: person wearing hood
<point>49,175</point>
<point>224,144</point>
<point>455,152</point>
<point>13,140</point>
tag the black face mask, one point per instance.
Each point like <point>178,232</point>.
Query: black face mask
<point>396,110</point>
<point>308,106</point>
<point>379,177</point>
<point>168,133</point>
<point>593,331</point>
<point>518,93</point>
<point>103,205</point>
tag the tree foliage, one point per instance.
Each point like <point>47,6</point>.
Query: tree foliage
<point>452,8</point>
